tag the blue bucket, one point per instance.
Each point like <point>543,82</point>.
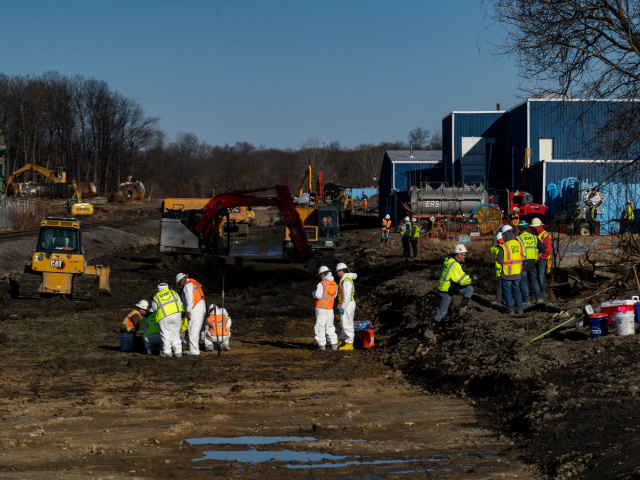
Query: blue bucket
<point>598,325</point>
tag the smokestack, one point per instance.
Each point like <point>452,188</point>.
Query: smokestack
<point>498,107</point>
<point>410,149</point>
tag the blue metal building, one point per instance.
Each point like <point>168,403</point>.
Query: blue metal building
<point>394,182</point>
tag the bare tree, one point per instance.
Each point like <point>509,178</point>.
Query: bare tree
<point>436,141</point>
<point>419,137</point>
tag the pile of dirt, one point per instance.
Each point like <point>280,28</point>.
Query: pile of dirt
<point>569,403</point>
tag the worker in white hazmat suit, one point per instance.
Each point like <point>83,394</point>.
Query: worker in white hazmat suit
<point>325,294</point>
<point>346,305</point>
<point>193,300</point>
<point>217,331</point>
<point>168,307</point>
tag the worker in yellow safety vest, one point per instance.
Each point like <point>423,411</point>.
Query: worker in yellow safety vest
<point>510,257</point>
<point>346,305</point>
<point>149,331</point>
<point>386,228</point>
<point>405,231</point>
<point>192,298</point>
<point>533,247</point>
<point>168,307</point>
<point>414,237</point>
<point>325,294</point>
<point>217,331</point>
<point>628,218</point>
<point>543,262</point>
<point>453,281</point>
<point>498,268</point>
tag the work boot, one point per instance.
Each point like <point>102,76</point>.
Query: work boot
<point>340,343</point>
<point>463,311</point>
<point>463,306</point>
<point>189,352</point>
<point>541,300</point>
<point>322,348</point>
<point>346,346</point>
<point>164,355</point>
<point>209,348</point>
<point>334,346</point>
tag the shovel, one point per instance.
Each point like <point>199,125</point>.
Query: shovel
<point>587,310</point>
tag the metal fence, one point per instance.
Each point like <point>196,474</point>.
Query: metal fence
<point>11,208</point>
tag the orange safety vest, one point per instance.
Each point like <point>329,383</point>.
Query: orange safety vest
<point>329,290</point>
<point>512,259</point>
<point>217,325</point>
<point>197,291</point>
<point>128,324</point>
<point>386,225</point>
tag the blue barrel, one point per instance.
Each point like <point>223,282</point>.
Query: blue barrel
<point>598,325</point>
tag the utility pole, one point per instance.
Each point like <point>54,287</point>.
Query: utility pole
<point>3,149</point>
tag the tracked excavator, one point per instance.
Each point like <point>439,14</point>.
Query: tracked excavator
<point>199,231</point>
<point>58,264</point>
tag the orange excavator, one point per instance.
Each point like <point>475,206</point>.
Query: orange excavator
<point>203,233</point>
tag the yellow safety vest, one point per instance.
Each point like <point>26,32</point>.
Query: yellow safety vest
<point>452,272</point>
<point>530,244</point>
<point>628,214</point>
<point>168,303</point>
<point>494,251</point>
<point>512,260</point>
<point>415,231</point>
<point>149,326</point>
<point>353,289</point>
<point>407,230</point>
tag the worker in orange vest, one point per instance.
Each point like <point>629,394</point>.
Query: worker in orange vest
<point>386,228</point>
<point>196,308</point>
<point>325,294</point>
<point>130,324</point>
<point>217,331</point>
<point>365,204</point>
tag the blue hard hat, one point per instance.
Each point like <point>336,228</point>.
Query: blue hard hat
<point>523,224</point>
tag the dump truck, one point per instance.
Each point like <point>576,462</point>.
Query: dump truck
<point>58,264</point>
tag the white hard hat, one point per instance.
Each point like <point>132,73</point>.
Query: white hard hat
<point>162,286</point>
<point>498,236</point>
<point>322,269</point>
<point>407,219</point>
<point>460,249</point>
<point>180,276</point>
<point>506,228</point>
<point>433,219</point>
<point>387,216</point>
<point>414,219</point>
<point>143,304</point>
<point>211,307</point>
<point>341,266</point>
<point>536,222</point>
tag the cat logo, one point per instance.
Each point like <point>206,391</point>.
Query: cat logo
<point>59,264</point>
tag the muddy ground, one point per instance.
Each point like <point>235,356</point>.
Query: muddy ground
<point>480,401</point>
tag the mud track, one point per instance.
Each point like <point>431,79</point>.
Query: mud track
<point>481,402</point>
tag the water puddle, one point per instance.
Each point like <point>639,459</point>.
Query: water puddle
<point>307,456</point>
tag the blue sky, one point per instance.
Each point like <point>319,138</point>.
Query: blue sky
<point>272,72</point>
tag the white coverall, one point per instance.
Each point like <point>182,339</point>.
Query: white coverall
<point>324,330</point>
<point>212,340</point>
<point>349,306</point>
<point>198,312</point>
<point>170,331</point>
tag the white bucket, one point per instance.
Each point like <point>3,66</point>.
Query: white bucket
<point>624,323</point>
<point>126,342</point>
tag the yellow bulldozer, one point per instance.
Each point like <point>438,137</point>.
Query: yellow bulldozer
<point>58,264</point>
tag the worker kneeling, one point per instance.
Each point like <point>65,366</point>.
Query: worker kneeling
<point>325,294</point>
<point>149,331</point>
<point>453,281</point>
<point>218,329</point>
<point>130,325</point>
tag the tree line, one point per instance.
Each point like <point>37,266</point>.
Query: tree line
<point>100,136</point>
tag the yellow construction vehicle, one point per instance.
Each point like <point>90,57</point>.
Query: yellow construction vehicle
<point>75,204</point>
<point>58,264</point>
<point>240,218</point>
<point>57,176</point>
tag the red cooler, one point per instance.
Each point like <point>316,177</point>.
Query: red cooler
<point>611,307</point>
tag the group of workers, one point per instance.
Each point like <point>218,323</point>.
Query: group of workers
<point>521,258</point>
<point>176,318</point>
<point>409,232</point>
<point>325,294</point>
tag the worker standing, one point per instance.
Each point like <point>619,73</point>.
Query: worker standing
<point>498,268</point>
<point>193,301</point>
<point>325,294</point>
<point>346,305</point>
<point>532,246</point>
<point>543,257</point>
<point>510,257</point>
<point>365,204</point>
<point>168,307</point>
<point>515,217</point>
<point>576,219</point>
<point>628,218</point>
<point>150,333</point>
<point>591,217</point>
<point>453,281</point>
<point>130,325</point>
<point>414,237</point>
<point>217,332</point>
<point>386,228</point>
<point>405,231</point>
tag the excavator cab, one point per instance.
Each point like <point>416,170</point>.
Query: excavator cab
<point>58,264</point>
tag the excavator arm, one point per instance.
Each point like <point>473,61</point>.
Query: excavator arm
<point>214,212</point>
<point>59,176</point>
